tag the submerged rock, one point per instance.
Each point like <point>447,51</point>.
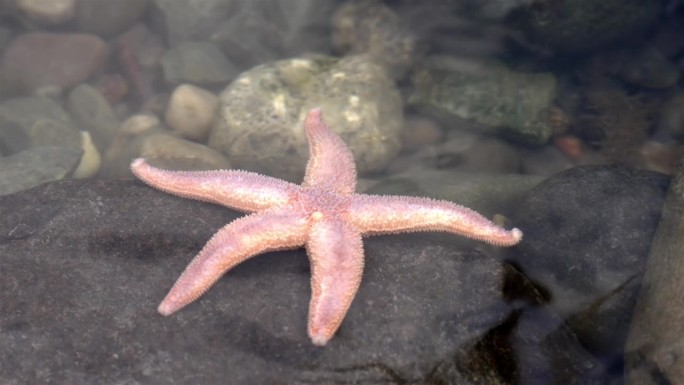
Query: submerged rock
<point>262,111</point>
<point>517,104</point>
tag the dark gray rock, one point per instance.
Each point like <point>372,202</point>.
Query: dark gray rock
<point>587,232</point>
<point>574,26</point>
<point>86,263</point>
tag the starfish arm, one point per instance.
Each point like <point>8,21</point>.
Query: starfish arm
<point>331,165</point>
<point>373,214</point>
<point>241,190</point>
<point>275,229</point>
<point>336,253</point>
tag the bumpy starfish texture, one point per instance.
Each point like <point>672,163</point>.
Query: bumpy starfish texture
<point>322,214</point>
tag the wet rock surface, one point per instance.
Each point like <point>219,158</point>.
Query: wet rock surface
<point>587,235</point>
<point>88,261</point>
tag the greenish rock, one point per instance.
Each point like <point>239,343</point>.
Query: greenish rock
<point>262,113</point>
<point>36,121</point>
<point>487,93</point>
<point>36,166</point>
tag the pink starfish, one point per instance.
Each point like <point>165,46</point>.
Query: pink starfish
<point>322,214</point>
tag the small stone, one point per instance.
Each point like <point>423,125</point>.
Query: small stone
<point>169,152</point>
<point>197,63</point>
<point>50,12</point>
<point>191,112</point>
<point>420,132</point>
<point>91,161</point>
<point>93,113</point>
<point>36,60</point>
<point>139,124</point>
<point>134,126</point>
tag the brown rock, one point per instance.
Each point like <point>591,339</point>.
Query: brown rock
<point>37,60</point>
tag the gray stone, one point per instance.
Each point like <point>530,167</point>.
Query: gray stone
<point>262,112</point>
<point>656,338</point>
<point>185,21</point>
<point>197,63</point>
<point>168,152</point>
<point>36,121</point>
<point>487,93</point>
<point>108,18</point>
<point>92,113</point>
<point>36,166</point>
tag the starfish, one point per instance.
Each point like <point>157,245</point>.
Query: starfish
<point>323,214</point>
